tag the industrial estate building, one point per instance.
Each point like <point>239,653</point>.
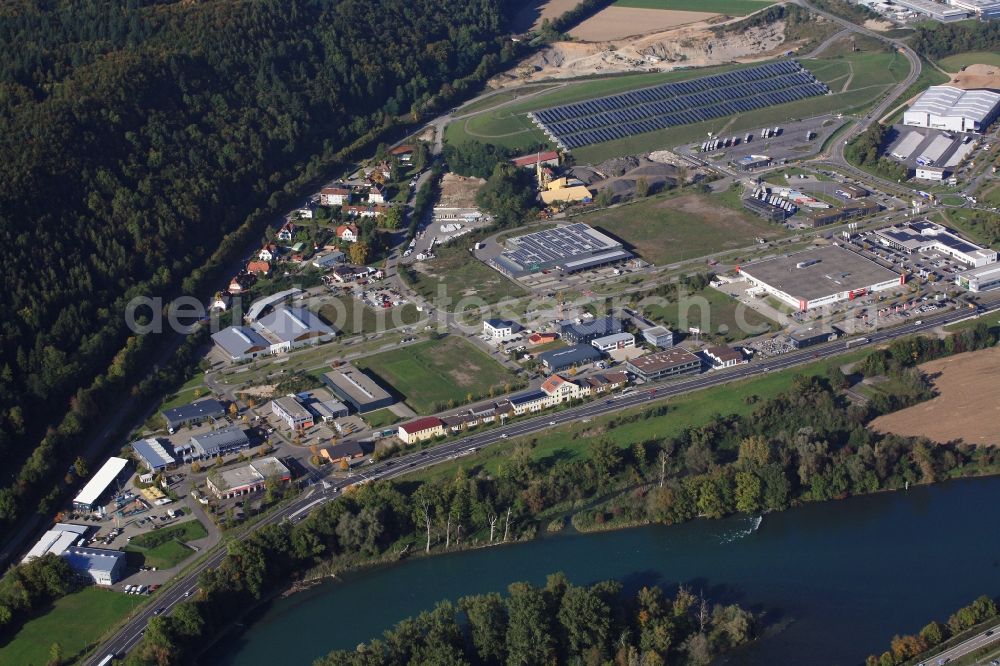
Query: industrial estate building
<point>282,329</point>
<point>194,413</point>
<point>586,330</point>
<point>215,443</point>
<point>500,329</point>
<point>980,279</point>
<point>153,455</point>
<point>56,540</point>
<point>724,357</point>
<point>569,248</point>
<point>984,10</point>
<point>357,389</point>
<point>930,237</point>
<point>241,343</point>
<point>248,478</point>
<point>667,363</point>
<point>614,341</point>
<point>659,336</point>
<point>98,488</point>
<point>557,360</point>
<point>953,109</point>
<point>103,566</point>
<point>820,276</point>
<point>292,412</point>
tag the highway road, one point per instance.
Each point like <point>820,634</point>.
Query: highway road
<point>317,495</point>
<point>978,641</point>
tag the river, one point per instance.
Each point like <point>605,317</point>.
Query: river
<point>836,580</point>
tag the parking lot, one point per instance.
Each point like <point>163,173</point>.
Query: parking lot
<point>790,144</point>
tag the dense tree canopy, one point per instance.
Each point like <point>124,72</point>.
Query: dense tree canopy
<point>136,134</point>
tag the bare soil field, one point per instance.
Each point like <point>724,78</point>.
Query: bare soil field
<point>619,22</point>
<point>532,15</point>
<point>967,407</point>
<point>977,76</point>
<point>459,191</point>
<point>690,45</point>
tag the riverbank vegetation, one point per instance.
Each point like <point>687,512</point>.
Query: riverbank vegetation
<point>936,634</point>
<point>561,623</point>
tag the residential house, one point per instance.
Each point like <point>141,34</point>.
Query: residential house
<point>560,390</point>
<point>268,253</point>
<point>287,231</point>
<point>609,381</point>
<point>304,213</point>
<point>403,153</point>
<point>349,451</point>
<point>421,429</point>
<point>348,233</point>
<point>220,302</point>
<point>241,283</point>
<point>376,194</point>
<point>369,210</point>
<point>258,268</point>
<point>335,195</point>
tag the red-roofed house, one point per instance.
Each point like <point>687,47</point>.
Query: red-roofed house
<point>547,158</point>
<point>336,195</point>
<point>421,429</point>
<point>561,390</point>
<point>240,283</point>
<point>258,268</point>
<point>348,233</point>
<point>542,338</point>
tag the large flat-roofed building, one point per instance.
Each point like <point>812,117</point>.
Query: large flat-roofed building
<point>667,363</point>
<point>248,478</point>
<point>241,343</point>
<point>569,248</point>
<point>930,237</point>
<point>288,328</point>
<point>292,412</point>
<point>56,540</point>
<point>101,483</point>
<point>980,279</point>
<point>258,307</point>
<point>194,413</point>
<point>103,566</point>
<point>565,358</point>
<point>983,9</point>
<point>153,455</point>
<point>814,335</point>
<point>820,276</point>
<point>935,10</point>
<point>852,211</point>
<point>217,443</point>
<point>953,109</point>
<point>614,341</point>
<point>357,389</point>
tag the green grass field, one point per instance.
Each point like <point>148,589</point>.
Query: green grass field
<point>165,547</point>
<point>352,317</point>
<point>573,442</point>
<point>714,312</point>
<point>672,228</point>
<point>856,80</point>
<point>431,374</point>
<point>454,274</point>
<point>192,390</point>
<point>75,621</point>
<point>730,7</point>
<point>381,418</point>
<point>956,62</point>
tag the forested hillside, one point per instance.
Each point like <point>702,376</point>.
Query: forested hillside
<point>135,134</point>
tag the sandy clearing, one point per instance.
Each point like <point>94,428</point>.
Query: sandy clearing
<point>967,407</point>
<point>532,15</point>
<point>620,22</point>
<point>879,25</point>
<point>459,191</point>
<point>977,76</point>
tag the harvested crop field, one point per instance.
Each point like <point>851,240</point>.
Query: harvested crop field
<point>532,15</point>
<point>967,406</point>
<point>619,22</point>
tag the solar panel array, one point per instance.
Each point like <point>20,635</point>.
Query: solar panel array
<point>672,104</point>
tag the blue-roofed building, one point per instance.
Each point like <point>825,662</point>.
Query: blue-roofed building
<point>586,331</point>
<point>154,455</point>
<point>193,413</point>
<point>499,329</point>
<point>565,358</point>
<point>103,566</point>
<point>216,443</point>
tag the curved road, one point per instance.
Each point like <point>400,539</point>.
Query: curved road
<point>131,632</point>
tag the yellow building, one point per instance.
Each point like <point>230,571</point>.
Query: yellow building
<point>421,429</point>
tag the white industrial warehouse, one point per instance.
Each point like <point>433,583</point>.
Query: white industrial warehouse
<point>953,109</point>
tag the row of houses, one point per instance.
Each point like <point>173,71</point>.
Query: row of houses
<point>555,390</point>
